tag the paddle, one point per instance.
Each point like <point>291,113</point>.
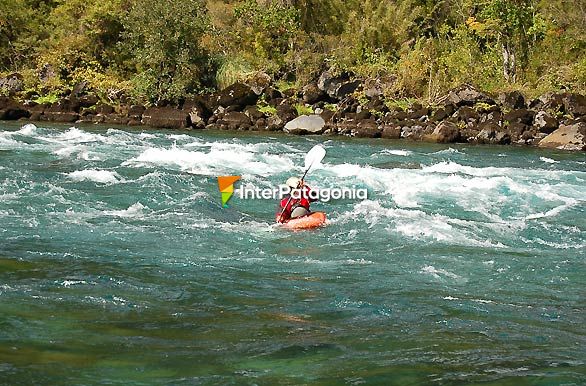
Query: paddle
<point>313,157</point>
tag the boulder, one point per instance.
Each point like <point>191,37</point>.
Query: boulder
<point>442,113</point>
<point>467,95</point>
<point>235,120</point>
<point>414,132</point>
<point>445,132</point>
<point>512,100</point>
<point>253,113</point>
<point>571,137</point>
<point>259,82</point>
<point>116,119</point>
<point>468,114</point>
<point>520,116</point>
<point>104,109</point>
<point>238,94</point>
<point>286,112</point>
<point>545,122</point>
<point>391,132</point>
<point>366,128</point>
<point>11,110</point>
<point>306,124</point>
<point>312,94</point>
<point>66,111</point>
<point>492,133</point>
<point>11,84</point>
<point>275,123</point>
<point>575,104</point>
<point>165,117</point>
<point>337,87</point>
<point>88,101</point>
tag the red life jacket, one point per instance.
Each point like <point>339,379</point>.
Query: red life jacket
<point>304,201</point>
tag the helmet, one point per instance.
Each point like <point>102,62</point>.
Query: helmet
<point>293,182</point>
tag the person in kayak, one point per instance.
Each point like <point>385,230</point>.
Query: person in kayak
<point>297,207</point>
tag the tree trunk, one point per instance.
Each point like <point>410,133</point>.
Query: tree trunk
<point>509,62</point>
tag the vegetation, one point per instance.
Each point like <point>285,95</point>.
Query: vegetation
<point>163,50</point>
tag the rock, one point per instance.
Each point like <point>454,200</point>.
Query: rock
<point>492,133</point>
<point>165,117</point>
<point>445,132</point>
<point>272,94</point>
<point>512,100</point>
<point>238,94</point>
<point>236,120</point>
<point>312,94</point>
<point>88,101</point>
<point>575,104</point>
<point>374,88</point>
<point>391,132</point>
<point>11,84</point>
<point>253,113</point>
<point>337,87</point>
<point>466,95</point>
<point>550,101</point>
<point>327,115</point>
<point>366,128</point>
<point>572,137</point>
<point>11,110</point>
<point>116,119</point>
<point>306,124</point>
<point>286,112</point>
<point>415,132</point>
<point>104,109</point>
<point>520,116</point>
<point>417,112</point>
<point>275,123</point>
<point>136,111</point>
<point>66,110</point>
<point>79,89</point>
<point>259,82</point>
<point>442,113</point>
<point>545,123</point>
<point>468,114</point>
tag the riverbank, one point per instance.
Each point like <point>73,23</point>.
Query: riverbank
<point>338,105</point>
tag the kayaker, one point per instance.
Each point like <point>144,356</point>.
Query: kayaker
<point>297,207</point>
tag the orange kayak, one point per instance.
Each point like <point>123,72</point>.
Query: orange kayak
<point>312,220</point>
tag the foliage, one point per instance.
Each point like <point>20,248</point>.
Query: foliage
<point>303,109</point>
<point>164,37</point>
<point>164,50</point>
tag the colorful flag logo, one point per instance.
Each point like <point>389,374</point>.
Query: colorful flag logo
<point>226,186</point>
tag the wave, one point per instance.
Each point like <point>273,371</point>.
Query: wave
<point>402,153</point>
<point>100,176</point>
<point>418,225</point>
<point>548,160</point>
<point>213,163</point>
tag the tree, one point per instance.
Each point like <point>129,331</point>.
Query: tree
<point>515,26</point>
<point>164,39</point>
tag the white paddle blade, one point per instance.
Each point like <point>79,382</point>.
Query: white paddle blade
<point>314,156</point>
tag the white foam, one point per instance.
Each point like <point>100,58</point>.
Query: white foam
<point>135,210</point>
<point>417,225</point>
<point>438,273</point>
<point>75,135</point>
<point>27,130</point>
<point>402,153</point>
<point>213,163</point>
<point>548,160</point>
<point>449,151</point>
<point>100,176</point>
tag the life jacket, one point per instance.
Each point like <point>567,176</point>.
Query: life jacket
<point>304,201</point>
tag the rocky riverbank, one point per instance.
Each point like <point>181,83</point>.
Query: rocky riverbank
<point>338,105</point>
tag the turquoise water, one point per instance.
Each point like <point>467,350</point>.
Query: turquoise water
<point>118,264</point>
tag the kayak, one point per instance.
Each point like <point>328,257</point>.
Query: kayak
<point>310,221</point>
